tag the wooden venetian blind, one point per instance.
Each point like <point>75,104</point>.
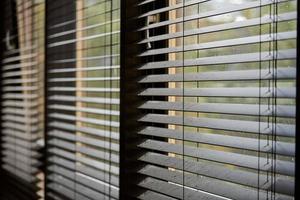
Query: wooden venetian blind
<point>83,99</point>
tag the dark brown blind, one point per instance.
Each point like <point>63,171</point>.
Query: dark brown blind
<point>218,98</point>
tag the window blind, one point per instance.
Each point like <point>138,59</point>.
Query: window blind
<point>83,99</point>
<point>218,93</point>
<point>22,67</point>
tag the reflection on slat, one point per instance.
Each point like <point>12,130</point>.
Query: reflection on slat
<point>22,71</point>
